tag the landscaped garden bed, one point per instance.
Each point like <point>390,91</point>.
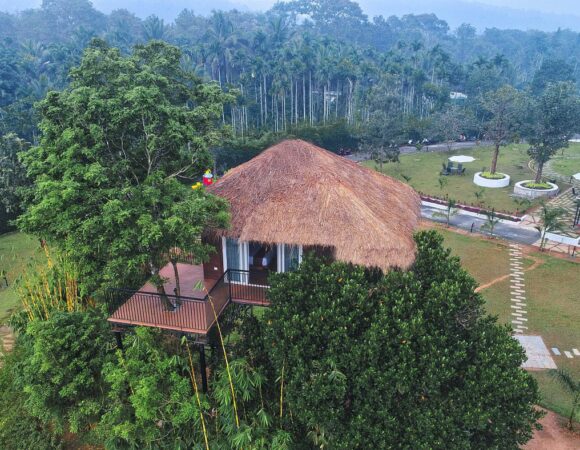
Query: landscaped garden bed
<point>422,172</point>
<point>489,180</point>
<point>531,190</point>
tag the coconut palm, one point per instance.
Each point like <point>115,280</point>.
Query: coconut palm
<point>550,221</point>
<point>491,221</point>
<point>450,211</point>
<point>573,387</point>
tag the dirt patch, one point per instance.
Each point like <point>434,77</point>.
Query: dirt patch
<point>537,262</point>
<point>553,436</point>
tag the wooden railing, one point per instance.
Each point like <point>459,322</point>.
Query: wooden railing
<point>188,314</point>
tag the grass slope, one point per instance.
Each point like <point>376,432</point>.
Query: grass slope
<point>553,303</point>
<point>567,163</point>
<point>16,251</point>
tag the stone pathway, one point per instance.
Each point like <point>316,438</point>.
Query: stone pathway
<point>538,355</point>
<point>518,290</point>
<point>572,353</point>
<point>566,201</point>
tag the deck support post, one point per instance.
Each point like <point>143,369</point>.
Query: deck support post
<point>202,368</point>
<point>119,339</point>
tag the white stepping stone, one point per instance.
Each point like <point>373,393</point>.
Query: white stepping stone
<point>555,351</point>
<point>568,354</point>
<point>576,351</point>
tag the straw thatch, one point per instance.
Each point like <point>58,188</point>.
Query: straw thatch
<point>299,194</point>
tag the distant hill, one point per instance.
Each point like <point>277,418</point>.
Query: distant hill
<point>166,9</point>
<point>480,15</point>
<point>454,12</point>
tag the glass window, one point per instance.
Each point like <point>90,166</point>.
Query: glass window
<point>292,257</point>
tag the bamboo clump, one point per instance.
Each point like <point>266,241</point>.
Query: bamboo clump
<point>45,290</point>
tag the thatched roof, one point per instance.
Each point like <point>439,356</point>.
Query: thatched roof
<point>300,194</point>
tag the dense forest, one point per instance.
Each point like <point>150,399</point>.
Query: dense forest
<point>302,62</point>
<point>320,70</point>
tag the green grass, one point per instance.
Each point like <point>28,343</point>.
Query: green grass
<point>16,251</point>
<point>553,303</point>
<point>567,164</point>
<point>424,168</point>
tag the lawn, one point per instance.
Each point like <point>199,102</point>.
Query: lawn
<point>16,251</point>
<point>423,169</point>
<point>568,163</point>
<point>553,303</point>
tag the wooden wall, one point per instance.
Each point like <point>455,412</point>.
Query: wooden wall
<point>214,267</point>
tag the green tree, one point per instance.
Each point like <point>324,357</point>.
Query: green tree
<point>505,109</point>
<point>62,376</point>
<point>379,139</point>
<point>554,118</point>
<point>113,169</point>
<point>450,211</point>
<point>550,222</point>
<point>12,176</point>
<point>407,359</point>
<point>19,428</point>
<point>153,401</point>
<point>552,70</point>
<point>490,222</point>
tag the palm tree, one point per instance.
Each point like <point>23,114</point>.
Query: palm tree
<point>450,211</point>
<point>550,218</point>
<point>572,386</point>
<point>491,221</point>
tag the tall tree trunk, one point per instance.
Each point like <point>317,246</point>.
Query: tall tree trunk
<point>157,280</point>
<point>173,260</point>
<point>494,159</point>
<point>540,168</point>
<point>303,98</point>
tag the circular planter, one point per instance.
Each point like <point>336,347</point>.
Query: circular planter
<point>489,183</point>
<point>521,191</point>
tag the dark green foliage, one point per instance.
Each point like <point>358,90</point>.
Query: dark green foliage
<point>61,375</point>
<point>13,178</point>
<point>553,118</point>
<point>19,428</point>
<point>408,360</point>
<point>152,403</point>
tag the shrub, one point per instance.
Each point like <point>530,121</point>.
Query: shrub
<point>492,176</point>
<point>533,185</point>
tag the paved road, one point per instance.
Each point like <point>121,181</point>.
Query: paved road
<point>512,232</point>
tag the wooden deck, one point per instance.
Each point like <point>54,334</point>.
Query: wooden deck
<point>193,312</point>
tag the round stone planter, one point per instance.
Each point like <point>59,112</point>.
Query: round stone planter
<point>489,183</point>
<point>521,191</point>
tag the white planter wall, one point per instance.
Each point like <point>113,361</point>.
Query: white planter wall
<point>531,194</point>
<point>486,182</point>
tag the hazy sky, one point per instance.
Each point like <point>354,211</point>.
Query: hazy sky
<point>540,14</point>
<point>553,6</point>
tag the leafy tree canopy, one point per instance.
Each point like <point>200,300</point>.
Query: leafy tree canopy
<point>404,360</point>
<point>12,177</point>
<point>120,147</point>
<point>553,120</point>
